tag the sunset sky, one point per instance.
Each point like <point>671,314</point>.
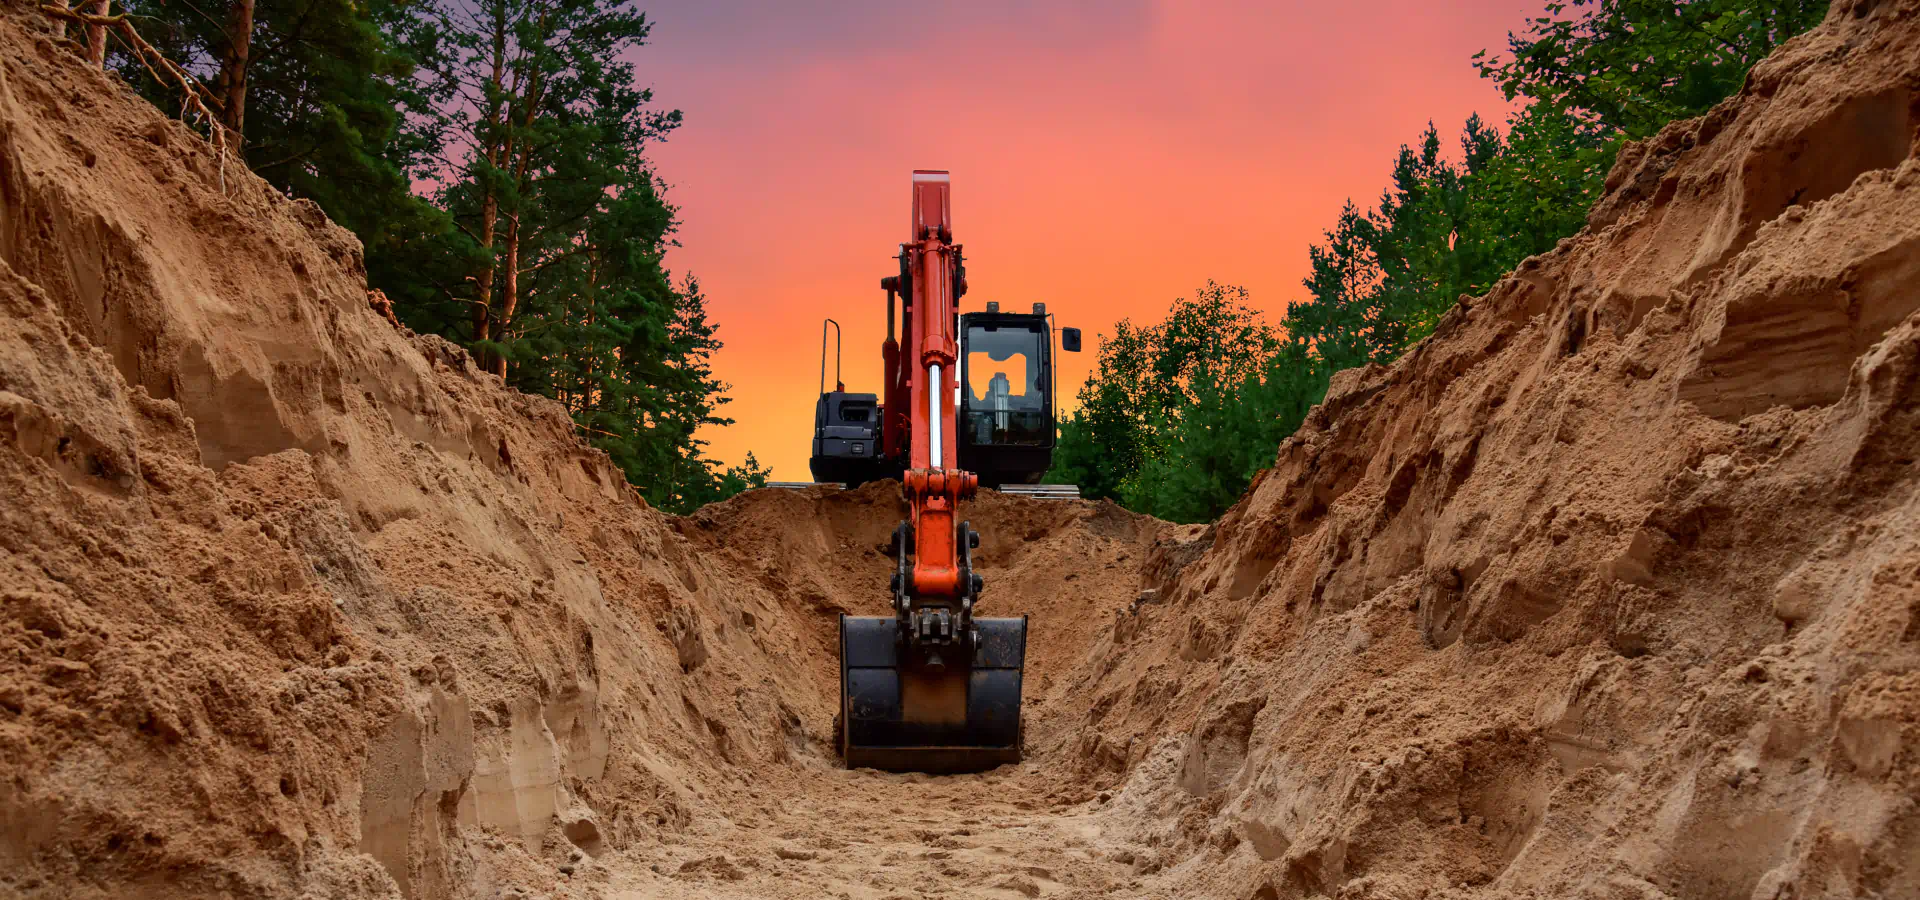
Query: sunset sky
<point>1107,157</point>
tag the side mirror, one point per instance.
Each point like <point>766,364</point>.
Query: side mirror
<point>1070,339</point>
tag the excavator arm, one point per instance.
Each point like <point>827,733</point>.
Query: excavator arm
<point>932,688</point>
<point>934,484</point>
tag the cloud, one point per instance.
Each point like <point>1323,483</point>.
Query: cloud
<point>727,32</point>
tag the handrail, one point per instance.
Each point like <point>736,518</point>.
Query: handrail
<point>838,385</point>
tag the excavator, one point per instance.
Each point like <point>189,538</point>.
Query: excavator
<point>968,401</point>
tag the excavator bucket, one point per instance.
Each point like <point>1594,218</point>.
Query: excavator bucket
<point>904,710</point>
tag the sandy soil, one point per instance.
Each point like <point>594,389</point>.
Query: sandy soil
<point>867,835</point>
<point>1609,589</point>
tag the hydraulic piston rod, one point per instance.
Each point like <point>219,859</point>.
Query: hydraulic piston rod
<point>933,415</point>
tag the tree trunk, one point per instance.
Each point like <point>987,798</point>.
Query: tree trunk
<point>232,80</point>
<point>97,34</point>
<point>510,293</point>
<point>588,397</point>
<point>483,305</point>
<point>490,196</point>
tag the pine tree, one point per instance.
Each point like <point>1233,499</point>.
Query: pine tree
<point>1181,442</point>
<point>1628,67</point>
<point>553,270</point>
<point>538,235</point>
<point>545,120</point>
<point>1333,321</point>
<point>317,90</point>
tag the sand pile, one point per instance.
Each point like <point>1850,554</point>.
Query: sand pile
<point>298,604</point>
<point>1611,588</point>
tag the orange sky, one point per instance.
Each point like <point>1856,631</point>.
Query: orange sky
<point>1107,157</point>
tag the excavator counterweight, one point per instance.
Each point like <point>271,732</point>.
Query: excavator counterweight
<point>932,687</point>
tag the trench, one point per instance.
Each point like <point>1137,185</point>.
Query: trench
<point>806,826</point>
<point>295,603</point>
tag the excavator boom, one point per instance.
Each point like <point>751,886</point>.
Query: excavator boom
<point>935,485</point>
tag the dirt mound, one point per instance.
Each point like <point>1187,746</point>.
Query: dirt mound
<point>1611,588</point>
<point>298,604</point>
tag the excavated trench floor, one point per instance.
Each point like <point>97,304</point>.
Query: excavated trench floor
<point>810,828</point>
<point>866,836</point>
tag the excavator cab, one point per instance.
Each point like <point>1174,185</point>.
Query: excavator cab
<point>1006,407</point>
<point>1006,394</point>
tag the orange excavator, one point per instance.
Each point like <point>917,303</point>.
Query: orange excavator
<point>933,687</point>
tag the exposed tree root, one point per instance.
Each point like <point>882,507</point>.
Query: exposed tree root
<point>197,102</point>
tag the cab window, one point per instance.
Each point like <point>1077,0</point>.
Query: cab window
<point>1006,402</point>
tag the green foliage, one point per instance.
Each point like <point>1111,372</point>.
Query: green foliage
<point>325,101</point>
<point>747,476</point>
<point>1178,417</point>
<point>1628,67</point>
<point>491,157</point>
<point>1156,428</point>
<point>553,271</point>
